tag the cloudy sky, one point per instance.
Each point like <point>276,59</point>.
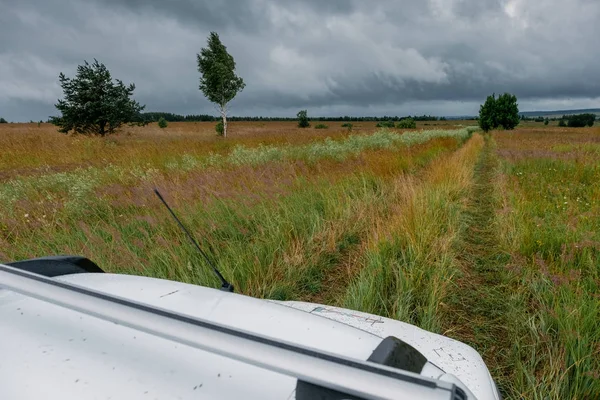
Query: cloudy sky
<point>333,57</point>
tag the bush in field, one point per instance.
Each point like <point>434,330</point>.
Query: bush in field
<point>3,121</point>
<point>321,126</point>
<point>407,123</point>
<point>487,114</point>
<point>562,123</point>
<point>347,125</point>
<point>93,104</point>
<point>546,121</point>
<point>385,124</point>
<point>162,123</point>
<point>503,111</point>
<point>580,120</point>
<point>220,128</point>
<point>507,111</point>
<point>303,119</point>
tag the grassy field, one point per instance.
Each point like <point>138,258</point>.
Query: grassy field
<point>492,240</point>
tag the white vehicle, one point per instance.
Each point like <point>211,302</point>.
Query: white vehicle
<point>77,333</point>
<point>69,331</point>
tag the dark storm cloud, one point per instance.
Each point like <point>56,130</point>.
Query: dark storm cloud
<point>208,14</point>
<point>339,57</point>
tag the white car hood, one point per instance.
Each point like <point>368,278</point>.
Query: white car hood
<point>51,352</point>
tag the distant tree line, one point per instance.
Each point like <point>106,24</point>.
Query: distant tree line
<point>579,120</point>
<point>572,121</point>
<point>171,117</point>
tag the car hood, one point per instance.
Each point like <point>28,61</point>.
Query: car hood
<point>98,359</point>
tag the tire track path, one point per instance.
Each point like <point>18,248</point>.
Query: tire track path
<point>478,311</point>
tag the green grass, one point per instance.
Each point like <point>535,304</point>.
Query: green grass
<point>282,233</point>
<point>553,235</point>
<point>406,271</point>
<point>75,187</point>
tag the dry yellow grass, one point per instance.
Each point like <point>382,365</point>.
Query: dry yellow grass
<point>29,149</point>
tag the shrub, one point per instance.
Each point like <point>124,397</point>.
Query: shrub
<point>220,128</point>
<point>303,119</point>
<point>385,124</point>
<point>580,120</point>
<point>347,125</point>
<point>321,126</point>
<point>562,123</point>
<point>546,121</point>
<point>3,121</point>
<point>162,123</point>
<point>503,112</point>
<point>407,123</point>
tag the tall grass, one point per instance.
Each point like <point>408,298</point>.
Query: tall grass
<point>78,186</point>
<point>550,224</point>
<point>410,262</point>
<point>279,230</point>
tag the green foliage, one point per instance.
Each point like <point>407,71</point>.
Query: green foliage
<point>347,125</point>
<point>303,119</point>
<point>580,120</point>
<point>3,121</point>
<point>507,111</point>
<point>487,114</point>
<point>546,121</point>
<point>321,126</point>
<point>162,123</point>
<point>407,123</point>
<point>218,80</point>
<point>562,123</point>
<point>385,124</point>
<point>93,104</point>
<point>219,128</point>
<point>503,111</point>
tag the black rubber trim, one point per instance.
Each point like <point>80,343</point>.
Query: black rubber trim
<point>395,353</point>
<point>458,394</point>
<point>309,391</point>
<point>204,324</point>
<point>57,266</point>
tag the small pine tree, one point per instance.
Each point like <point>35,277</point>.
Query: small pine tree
<point>303,119</point>
<point>3,121</point>
<point>162,123</point>
<point>546,121</point>
<point>93,104</point>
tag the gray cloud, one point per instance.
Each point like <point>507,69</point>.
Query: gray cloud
<point>339,57</point>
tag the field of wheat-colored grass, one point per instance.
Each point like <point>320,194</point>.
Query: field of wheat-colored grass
<point>490,239</point>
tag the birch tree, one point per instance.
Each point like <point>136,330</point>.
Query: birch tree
<point>218,80</point>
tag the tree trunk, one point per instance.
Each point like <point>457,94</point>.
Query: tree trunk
<point>224,115</point>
